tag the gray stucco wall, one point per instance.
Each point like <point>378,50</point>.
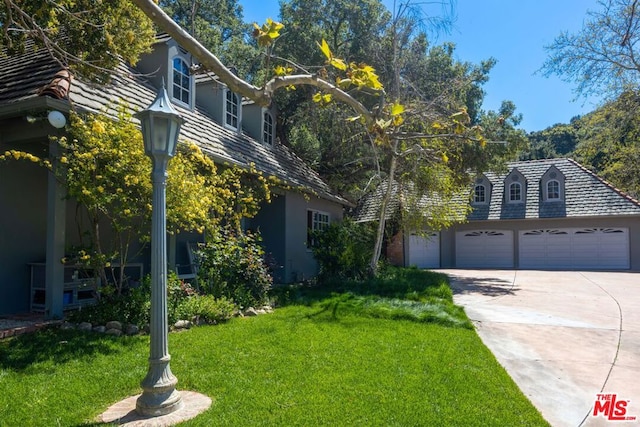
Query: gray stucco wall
<point>299,262</point>
<point>447,243</point>
<point>23,215</point>
<point>271,222</point>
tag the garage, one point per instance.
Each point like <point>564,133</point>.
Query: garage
<point>424,251</point>
<point>484,249</point>
<point>575,248</point>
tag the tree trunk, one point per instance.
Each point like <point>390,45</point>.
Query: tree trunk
<point>377,250</point>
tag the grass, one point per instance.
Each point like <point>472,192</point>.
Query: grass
<point>324,359</point>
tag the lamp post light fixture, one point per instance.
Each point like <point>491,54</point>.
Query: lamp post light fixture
<point>160,129</point>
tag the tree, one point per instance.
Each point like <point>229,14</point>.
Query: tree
<point>352,29</point>
<point>90,37</point>
<point>218,25</point>
<point>609,142</point>
<point>602,58</point>
<point>397,132</point>
<point>558,140</point>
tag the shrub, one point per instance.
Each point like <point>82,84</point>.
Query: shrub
<point>206,308</point>
<point>177,292</point>
<point>343,250</point>
<point>232,265</point>
<point>132,306</point>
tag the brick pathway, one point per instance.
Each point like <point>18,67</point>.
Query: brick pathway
<point>22,324</point>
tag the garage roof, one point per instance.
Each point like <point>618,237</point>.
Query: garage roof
<point>585,194</point>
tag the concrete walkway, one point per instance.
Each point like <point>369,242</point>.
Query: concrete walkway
<point>564,337</point>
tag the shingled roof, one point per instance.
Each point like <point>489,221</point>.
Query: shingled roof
<point>368,208</point>
<point>22,77</point>
<point>585,194</point>
<point>404,196</point>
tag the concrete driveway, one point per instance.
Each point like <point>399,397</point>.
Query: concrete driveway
<point>564,337</point>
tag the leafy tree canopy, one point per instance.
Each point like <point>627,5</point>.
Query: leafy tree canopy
<point>609,142</point>
<point>91,37</point>
<point>219,26</point>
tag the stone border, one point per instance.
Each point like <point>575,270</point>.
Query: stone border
<point>117,329</point>
<point>124,412</point>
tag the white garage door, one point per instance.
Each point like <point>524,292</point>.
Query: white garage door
<point>575,248</point>
<point>424,252</point>
<point>484,249</point>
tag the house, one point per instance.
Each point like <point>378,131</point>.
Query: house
<point>37,224</point>
<point>541,214</point>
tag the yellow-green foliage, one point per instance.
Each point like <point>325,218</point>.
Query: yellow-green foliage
<point>104,167</point>
<point>107,170</point>
<point>94,35</point>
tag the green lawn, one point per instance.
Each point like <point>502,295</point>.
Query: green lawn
<point>317,361</point>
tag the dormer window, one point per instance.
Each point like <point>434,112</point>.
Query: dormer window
<point>232,110</point>
<point>553,190</point>
<point>481,191</point>
<point>267,128</point>
<point>515,187</point>
<point>552,185</point>
<point>181,84</point>
<point>479,194</point>
<point>515,192</point>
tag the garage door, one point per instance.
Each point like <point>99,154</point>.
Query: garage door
<point>484,249</point>
<point>575,248</point>
<point>424,252</point>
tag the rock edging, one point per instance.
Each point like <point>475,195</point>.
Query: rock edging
<point>117,329</point>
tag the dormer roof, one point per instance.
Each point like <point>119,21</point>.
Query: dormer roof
<point>585,194</point>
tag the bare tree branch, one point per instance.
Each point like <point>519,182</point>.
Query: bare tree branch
<point>211,62</point>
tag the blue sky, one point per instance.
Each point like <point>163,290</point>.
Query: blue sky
<point>514,32</point>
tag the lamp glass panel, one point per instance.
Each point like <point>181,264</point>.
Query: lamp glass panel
<point>160,133</point>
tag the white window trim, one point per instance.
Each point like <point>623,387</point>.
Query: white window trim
<point>485,201</point>
<point>314,224</point>
<point>224,113</point>
<point>172,82</point>
<point>267,113</point>
<point>509,199</point>
<point>546,191</point>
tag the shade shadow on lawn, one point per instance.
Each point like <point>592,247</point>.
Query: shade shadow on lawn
<point>398,294</point>
<point>58,346</point>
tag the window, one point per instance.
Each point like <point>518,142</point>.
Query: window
<point>267,128</point>
<point>553,190</point>
<point>181,81</point>
<point>316,221</point>
<point>479,194</point>
<point>232,110</point>
<point>515,192</point>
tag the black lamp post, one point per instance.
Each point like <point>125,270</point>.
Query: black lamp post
<point>160,129</point>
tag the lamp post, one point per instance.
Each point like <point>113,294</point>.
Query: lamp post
<point>160,129</point>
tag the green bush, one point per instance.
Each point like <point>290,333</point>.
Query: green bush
<point>132,306</point>
<point>177,292</point>
<point>232,265</point>
<point>343,250</point>
<point>206,308</point>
